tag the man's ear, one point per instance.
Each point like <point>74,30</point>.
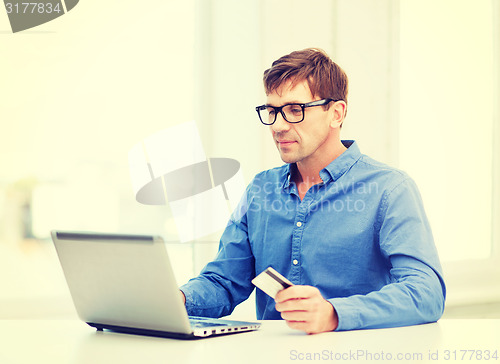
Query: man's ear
<point>338,111</point>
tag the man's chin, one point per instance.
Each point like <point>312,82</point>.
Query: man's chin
<point>288,158</point>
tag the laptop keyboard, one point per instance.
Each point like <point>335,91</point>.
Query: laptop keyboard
<point>197,323</point>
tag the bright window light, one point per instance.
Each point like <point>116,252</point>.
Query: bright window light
<point>446,113</point>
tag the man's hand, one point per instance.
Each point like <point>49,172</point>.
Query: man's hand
<point>304,308</point>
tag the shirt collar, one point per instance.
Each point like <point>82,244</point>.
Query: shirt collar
<point>286,177</point>
<point>335,169</point>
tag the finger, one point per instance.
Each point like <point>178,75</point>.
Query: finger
<point>298,304</point>
<point>295,292</point>
<point>299,316</point>
<point>301,325</point>
<point>306,326</point>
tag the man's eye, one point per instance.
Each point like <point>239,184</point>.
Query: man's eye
<point>271,111</point>
<point>296,110</point>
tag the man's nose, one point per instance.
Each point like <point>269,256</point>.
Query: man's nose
<point>280,124</point>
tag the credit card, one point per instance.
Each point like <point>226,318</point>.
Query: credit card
<point>271,282</point>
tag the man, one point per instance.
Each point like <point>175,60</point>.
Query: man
<point>349,232</point>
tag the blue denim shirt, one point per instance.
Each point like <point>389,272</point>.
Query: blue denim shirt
<point>361,237</point>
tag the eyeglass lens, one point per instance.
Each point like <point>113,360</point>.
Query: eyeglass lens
<point>292,113</point>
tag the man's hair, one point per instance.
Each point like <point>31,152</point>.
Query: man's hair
<point>324,77</point>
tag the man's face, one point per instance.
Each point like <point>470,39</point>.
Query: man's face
<point>304,141</point>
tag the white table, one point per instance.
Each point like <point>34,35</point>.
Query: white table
<point>71,341</point>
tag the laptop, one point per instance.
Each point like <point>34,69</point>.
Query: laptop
<point>125,283</point>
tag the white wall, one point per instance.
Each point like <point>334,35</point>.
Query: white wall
<point>449,64</point>
<point>78,92</point>
<point>75,95</point>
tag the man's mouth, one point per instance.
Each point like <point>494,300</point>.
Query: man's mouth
<point>284,142</point>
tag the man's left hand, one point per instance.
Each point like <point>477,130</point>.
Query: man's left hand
<point>304,308</point>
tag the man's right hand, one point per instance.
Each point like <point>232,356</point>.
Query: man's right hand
<point>304,308</point>
<point>183,297</point>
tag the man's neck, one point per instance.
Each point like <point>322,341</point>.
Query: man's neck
<point>305,174</point>
<point>308,170</point>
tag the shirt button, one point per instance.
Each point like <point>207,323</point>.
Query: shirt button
<point>299,224</point>
<point>295,262</point>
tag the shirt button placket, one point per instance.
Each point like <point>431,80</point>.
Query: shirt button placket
<point>298,232</point>
<point>296,248</point>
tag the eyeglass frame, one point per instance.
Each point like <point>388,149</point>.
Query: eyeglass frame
<point>279,109</point>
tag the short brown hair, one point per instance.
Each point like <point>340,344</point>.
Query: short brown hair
<point>324,77</point>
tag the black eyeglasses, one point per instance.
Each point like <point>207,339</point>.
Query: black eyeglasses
<point>293,113</point>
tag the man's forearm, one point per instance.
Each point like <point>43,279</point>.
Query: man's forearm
<point>411,301</point>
